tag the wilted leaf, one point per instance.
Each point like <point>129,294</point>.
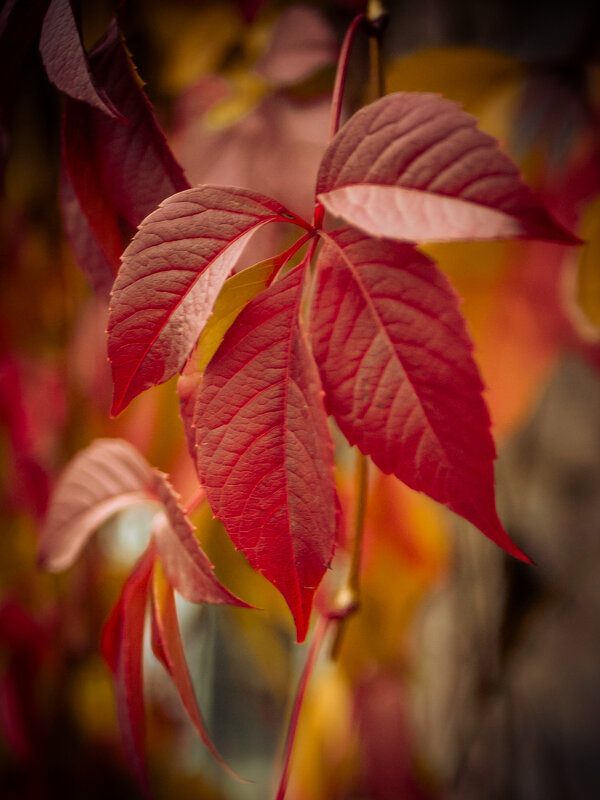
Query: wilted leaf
<point>171,276</point>
<point>263,449</point>
<point>414,167</point>
<point>106,477</point>
<point>398,373</point>
<point>122,648</point>
<point>65,59</point>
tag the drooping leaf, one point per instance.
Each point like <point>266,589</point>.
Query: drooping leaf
<point>119,172</point>
<point>168,648</point>
<point>185,563</point>
<point>263,448</point>
<point>65,59</point>
<point>414,167</point>
<point>106,477</point>
<point>397,367</point>
<point>122,648</point>
<point>172,273</point>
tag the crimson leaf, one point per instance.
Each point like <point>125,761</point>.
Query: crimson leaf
<point>396,364</point>
<point>171,275</point>
<point>122,647</point>
<point>119,172</point>
<point>65,59</point>
<point>263,448</point>
<point>414,167</point>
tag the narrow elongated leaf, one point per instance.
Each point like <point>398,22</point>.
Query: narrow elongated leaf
<point>168,648</point>
<point>122,647</point>
<point>263,449</point>
<point>172,272</point>
<point>65,59</point>
<point>119,172</point>
<point>185,563</point>
<point>414,167</point>
<point>399,377</point>
<point>106,477</point>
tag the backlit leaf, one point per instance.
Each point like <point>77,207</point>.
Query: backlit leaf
<point>168,648</point>
<point>106,477</point>
<point>263,450</point>
<point>172,273</point>
<point>65,59</point>
<point>414,167</point>
<point>122,648</point>
<point>184,561</point>
<point>399,377</point>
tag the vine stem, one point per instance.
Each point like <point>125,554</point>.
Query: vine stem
<point>319,635</point>
<point>195,500</point>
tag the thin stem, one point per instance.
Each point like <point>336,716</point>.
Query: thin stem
<point>315,647</point>
<point>196,499</point>
<point>348,599</point>
<point>340,75</point>
<point>377,19</point>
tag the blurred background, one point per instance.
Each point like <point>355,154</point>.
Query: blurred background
<point>466,674</point>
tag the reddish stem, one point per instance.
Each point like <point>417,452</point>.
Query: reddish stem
<point>340,75</point>
<point>196,499</point>
<point>315,647</point>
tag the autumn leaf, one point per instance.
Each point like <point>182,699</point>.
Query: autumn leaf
<point>122,647</point>
<point>263,450</point>
<point>414,167</point>
<point>116,172</point>
<point>171,276</point>
<point>65,59</point>
<point>399,377</point>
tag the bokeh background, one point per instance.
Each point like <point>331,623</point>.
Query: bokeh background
<point>466,674</point>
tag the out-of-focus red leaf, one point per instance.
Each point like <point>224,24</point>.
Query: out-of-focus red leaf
<point>98,264</point>
<point>168,648</point>
<point>184,561</point>
<point>106,477</point>
<point>397,367</point>
<point>65,59</point>
<point>414,167</point>
<point>274,148</point>
<point>119,172</point>
<point>172,273</point>
<point>301,43</point>
<point>122,648</point>
<point>263,448</point>
<point>390,767</point>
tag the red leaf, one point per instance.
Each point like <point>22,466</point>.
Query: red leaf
<point>263,448</point>
<point>122,648</point>
<point>119,172</point>
<point>395,360</point>
<point>106,477</point>
<point>172,273</point>
<point>184,561</point>
<point>168,648</point>
<point>65,59</point>
<point>414,167</point>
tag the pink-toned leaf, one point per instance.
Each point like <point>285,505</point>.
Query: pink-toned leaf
<point>397,367</point>
<point>119,172</point>
<point>106,477</point>
<point>122,648</point>
<point>185,563</point>
<point>172,273</point>
<point>263,449</point>
<point>168,648</point>
<point>301,43</point>
<point>65,59</point>
<point>414,167</point>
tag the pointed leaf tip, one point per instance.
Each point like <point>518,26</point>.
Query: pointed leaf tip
<point>414,167</point>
